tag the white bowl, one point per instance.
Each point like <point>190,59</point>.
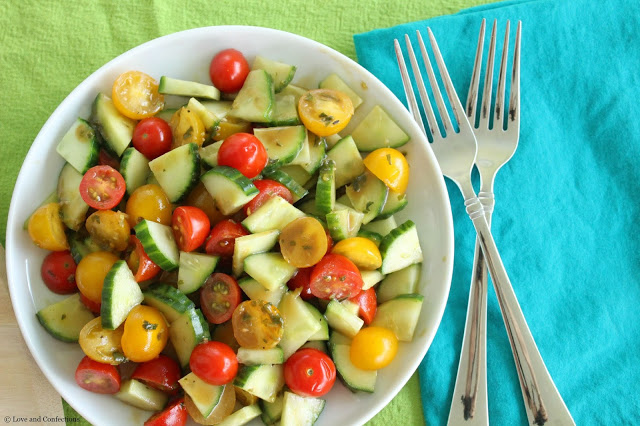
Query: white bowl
<point>186,55</point>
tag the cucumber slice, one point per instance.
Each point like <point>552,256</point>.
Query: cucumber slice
<point>120,294</point>
<point>309,207</point>
<point>320,345</point>
<point>371,278</point>
<point>115,128</point>
<point>404,281</point>
<point>323,333</point>
<point>381,226</point>
<point>142,396</point>
<point>343,320</point>
<point>317,153</point>
<point>252,244</point>
<point>229,188</point>
<point>344,222</point>
<point>158,243</point>
<point>209,154</point>
<point>263,381</point>
<point>353,377</point>
<point>326,187</point>
<point>338,338</point>
<point>269,269</point>
<point>174,86</point>
<point>177,171</point>
<point>271,411</point>
<point>378,130</point>
<point>254,101</point>
<point>220,109</point>
<point>260,356</point>
<point>332,140</point>
<point>280,73</point>
<point>242,416</point>
<point>334,82</point>
<point>134,168</point>
<point>79,247</point>
<point>373,236</point>
<point>298,174</point>
<point>285,111</point>
<point>168,300</point>
<point>368,195</point>
<point>274,214</point>
<point>400,248</point>
<point>296,91</point>
<point>279,175</point>
<point>400,315</point>
<point>194,270</point>
<point>349,164</point>
<point>300,410</point>
<point>395,203</point>
<point>204,395</point>
<point>283,144</point>
<point>304,153</point>
<point>166,114</point>
<point>208,118</point>
<point>299,323</point>
<point>64,320</point>
<point>79,146</point>
<point>256,291</point>
<point>73,209</point>
<point>186,332</point>
<point>350,306</point>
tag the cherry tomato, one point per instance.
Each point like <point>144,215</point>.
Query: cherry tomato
<point>109,229</point>
<point>175,414</point>
<point>46,228</point>
<point>187,127</point>
<point>222,239</point>
<point>101,345</point>
<point>268,188</point>
<point>144,268</point>
<point>219,297</point>
<point>367,300</point>
<point>152,137</point>
<point>145,334</point>
<point>190,227</point>
<point>160,373</point>
<point>102,187</point>
<point>149,202</point>
<point>91,271</point>
<point>361,251</point>
<point>135,94</point>
<point>302,280</point>
<point>329,241</point>
<point>214,362</point>
<point>199,197</point>
<point>390,166</point>
<point>228,70</point>
<point>90,304</point>
<point>97,377</point>
<point>244,152</point>
<point>309,372</point>
<point>325,112</point>
<point>373,348</point>
<point>257,325</point>
<point>106,159</point>
<point>335,277</point>
<point>58,272</point>
<point>303,242</point>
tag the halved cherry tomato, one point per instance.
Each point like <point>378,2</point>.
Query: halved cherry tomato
<point>303,242</point>
<point>109,229</point>
<point>390,166</point>
<point>335,277</point>
<point>149,202</point>
<point>145,334</point>
<point>144,268</point>
<point>102,187</point>
<point>361,251</point>
<point>268,188</point>
<point>244,152</point>
<point>59,272</point>
<point>101,345</point>
<point>46,228</point>
<point>152,137</point>
<point>302,280</point>
<point>97,377</point>
<point>257,325</point>
<point>175,414</point>
<point>90,304</point>
<point>214,362</point>
<point>325,111</point>
<point>106,159</point>
<point>367,300</point>
<point>190,227</point>
<point>230,125</point>
<point>91,271</point>
<point>187,127</point>
<point>199,197</point>
<point>219,297</point>
<point>329,241</point>
<point>135,94</point>
<point>373,348</point>
<point>229,70</point>
<point>222,239</point>
<point>309,372</point>
<point>160,373</point>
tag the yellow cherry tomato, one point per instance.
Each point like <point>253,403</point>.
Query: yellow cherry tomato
<point>361,251</point>
<point>373,348</point>
<point>46,228</point>
<point>390,166</point>
<point>135,94</point>
<point>145,334</point>
<point>186,127</point>
<point>109,229</point>
<point>200,197</point>
<point>228,126</point>
<point>257,325</point>
<point>91,271</point>
<point>149,202</point>
<point>100,344</point>
<point>303,242</point>
<point>325,111</point>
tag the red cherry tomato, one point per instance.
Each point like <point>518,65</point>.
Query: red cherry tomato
<point>102,187</point>
<point>368,303</point>
<point>302,280</point>
<point>90,304</point>
<point>268,188</point>
<point>214,362</point>
<point>335,277</point>
<point>152,137</point>
<point>191,227</point>
<point>244,152</point>
<point>219,297</point>
<point>175,414</point>
<point>97,377</point>
<point>106,159</point>
<point>138,261</point>
<point>228,70</point>
<point>160,373</point>
<point>309,372</point>
<point>222,239</point>
<point>329,242</point>
<point>58,272</point>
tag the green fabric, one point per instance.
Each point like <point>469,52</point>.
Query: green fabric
<point>47,48</point>
<point>566,217</point>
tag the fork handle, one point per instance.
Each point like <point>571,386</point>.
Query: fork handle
<point>543,403</point>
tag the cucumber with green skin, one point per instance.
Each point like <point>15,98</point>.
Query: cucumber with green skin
<point>242,416</point>
<point>276,213</point>
<point>158,243</point>
<point>344,222</point>
<point>65,319</point>
<point>333,81</point>
<point>356,379</point>
<point>186,332</point>
<point>115,128</point>
<point>174,86</point>
<point>285,111</point>
<point>257,291</point>
<point>395,203</point>
<point>260,356</point>
<point>79,146</point>
<point>120,293</point>
<point>205,396</point>
<point>142,396</point>
<point>194,269</point>
<point>254,102</point>
<point>269,269</point>
<point>341,319</point>
<point>323,333</point>
<point>283,144</point>
<point>279,175</point>
<point>134,168</point>
<point>368,195</point>
<point>404,281</point>
<point>400,248</point>
<point>326,187</point>
<point>177,171</point>
<point>280,73</point>
<point>271,411</point>
<point>73,209</point>
<point>299,410</point>
<point>378,130</point>
<point>299,323</point>
<point>247,245</point>
<point>264,381</point>
<point>171,302</point>
<point>349,164</point>
<point>400,315</point>
<point>229,188</point>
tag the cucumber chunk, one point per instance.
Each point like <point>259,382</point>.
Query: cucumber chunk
<point>274,214</point>
<point>142,396</point>
<point>281,176</point>
<point>177,171</point>
<point>404,281</point>
<point>166,114</point>
<point>285,111</point>
<point>280,73</point>
<point>252,244</point>
<point>134,168</point>
<point>400,248</point>
<point>368,195</point>
<point>269,269</point>
<point>300,410</point>
<point>381,226</point>
<point>115,128</point>
<point>395,203</point>
<point>264,381</point>
<point>353,377</point>
<point>260,356</point>
<point>209,154</point>
<point>371,278</point>
<point>120,294</point>
<point>254,101</point>
<point>194,270</point>
<point>341,319</point>
<point>174,86</point>
<point>79,146</point>
<point>378,130</point>
<point>349,164</point>
<point>271,411</point>
<point>320,345</point>
<point>204,395</point>
<point>159,244</point>
<point>317,153</point>
<point>333,81</point>
<point>64,320</point>
<point>326,187</point>
<point>299,323</point>
<point>256,291</point>
<point>373,236</point>
<point>344,222</point>
<point>73,208</point>
<point>283,144</point>
<point>400,315</point>
<point>323,333</point>
<point>242,416</point>
<point>208,118</point>
<point>229,188</point>
<point>186,332</point>
<point>171,302</point>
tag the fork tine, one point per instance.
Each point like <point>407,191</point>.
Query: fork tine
<point>488,81</point>
<point>513,121</point>
<point>498,118</point>
<point>408,87</point>
<point>472,96</point>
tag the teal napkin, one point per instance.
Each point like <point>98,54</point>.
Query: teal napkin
<point>567,206</point>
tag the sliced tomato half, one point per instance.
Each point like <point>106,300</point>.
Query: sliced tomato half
<point>97,377</point>
<point>335,277</point>
<point>102,187</point>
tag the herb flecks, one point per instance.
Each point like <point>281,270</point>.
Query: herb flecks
<point>389,159</point>
<point>149,326</point>
<point>328,119</point>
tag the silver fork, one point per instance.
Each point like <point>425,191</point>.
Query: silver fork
<point>456,154</point>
